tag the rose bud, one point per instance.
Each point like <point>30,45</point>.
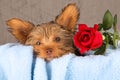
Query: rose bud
<point>107,20</point>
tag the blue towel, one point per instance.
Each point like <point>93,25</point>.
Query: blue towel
<point>15,62</point>
<point>95,67</point>
<point>18,63</point>
<point>40,71</point>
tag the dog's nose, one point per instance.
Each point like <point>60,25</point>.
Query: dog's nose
<point>49,51</point>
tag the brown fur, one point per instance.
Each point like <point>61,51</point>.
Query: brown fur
<point>50,40</point>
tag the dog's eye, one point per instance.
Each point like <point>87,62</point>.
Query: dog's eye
<point>29,37</point>
<point>57,39</point>
<point>38,43</point>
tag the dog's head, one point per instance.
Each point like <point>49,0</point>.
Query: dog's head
<point>50,40</point>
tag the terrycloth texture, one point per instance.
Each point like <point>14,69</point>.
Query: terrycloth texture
<point>95,67</point>
<point>57,68</point>
<point>40,72</point>
<point>17,63</point>
<point>53,70</point>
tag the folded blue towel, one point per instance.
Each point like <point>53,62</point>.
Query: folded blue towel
<point>95,67</point>
<point>15,62</point>
<point>40,71</point>
<point>18,63</point>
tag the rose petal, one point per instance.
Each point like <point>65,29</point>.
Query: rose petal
<point>76,40</point>
<point>96,26</point>
<point>83,50</point>
<point>89,37</point>
<point>97,42</point>
<point>82,27</point>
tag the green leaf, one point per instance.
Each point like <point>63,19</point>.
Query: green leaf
<point>107,20</point>
<point>115,20</point>
<point>107,40</point>
<point>114,39</point>
<point>116,34</point>
<point>101,50</point>
<point>100,27</point>
<point>109,36</point>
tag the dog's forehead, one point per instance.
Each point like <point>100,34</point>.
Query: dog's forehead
<point>47,28</point>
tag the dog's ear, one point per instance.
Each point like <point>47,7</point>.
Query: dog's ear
<point>69,16</point>
<point>20,29</point>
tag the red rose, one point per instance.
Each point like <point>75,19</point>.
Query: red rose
<point>87,38</point>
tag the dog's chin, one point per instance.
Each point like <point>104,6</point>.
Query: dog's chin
<point>48,59</point>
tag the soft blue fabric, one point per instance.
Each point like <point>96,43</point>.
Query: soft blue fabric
<point>95,67</point>
<point>17,63</point>
<point>40,72</point>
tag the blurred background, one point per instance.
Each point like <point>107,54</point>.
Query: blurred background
<point>41,11</point>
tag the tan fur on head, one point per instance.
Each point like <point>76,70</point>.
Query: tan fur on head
<point>53,37</point>
<point>49,40</point>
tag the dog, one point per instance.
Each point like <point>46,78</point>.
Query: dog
<point>49,40</point>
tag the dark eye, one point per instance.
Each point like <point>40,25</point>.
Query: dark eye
<point>38,43</point>
<point>57,39</point>
<point>29,37</point>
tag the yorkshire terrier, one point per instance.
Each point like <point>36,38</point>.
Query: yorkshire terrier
<point>49,40</point>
